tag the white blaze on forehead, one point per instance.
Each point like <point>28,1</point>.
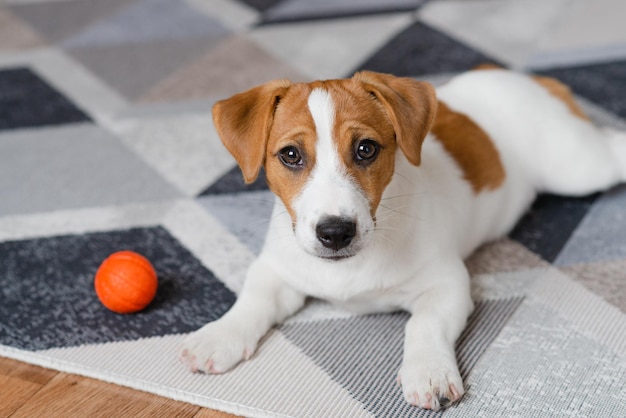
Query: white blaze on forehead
<point>327,174</point>
<point>322,110</point>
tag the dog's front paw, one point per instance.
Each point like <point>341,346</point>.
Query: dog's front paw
<point>217,347</point>
<point>431,381</point>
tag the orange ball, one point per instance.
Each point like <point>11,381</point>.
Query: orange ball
<point>126,282</point>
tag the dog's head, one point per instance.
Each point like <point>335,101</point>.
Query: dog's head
<point>328,148</point>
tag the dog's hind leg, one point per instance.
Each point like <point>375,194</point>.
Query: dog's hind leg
<point>584,160</point>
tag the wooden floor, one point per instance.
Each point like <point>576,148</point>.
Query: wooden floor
<point>32,391</point>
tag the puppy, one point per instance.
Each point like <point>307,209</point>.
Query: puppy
<point>385,185</point>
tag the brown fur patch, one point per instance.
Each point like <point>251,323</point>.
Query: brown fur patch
<point>293,126</point>
<point>359,116</point>
<point>487,66</point>
<point>563,93</point>
<point>243,123</point>
<point>471,148</point>
<point>410,105</point>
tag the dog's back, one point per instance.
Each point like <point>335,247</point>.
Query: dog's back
<point>544,141</point>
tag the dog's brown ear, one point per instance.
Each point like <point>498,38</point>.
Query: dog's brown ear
<point>411,105</point>
<point>243,123</point>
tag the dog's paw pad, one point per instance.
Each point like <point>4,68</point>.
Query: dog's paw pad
<point>215,349</point>
<point>432,399</point>
<point>431,387</point>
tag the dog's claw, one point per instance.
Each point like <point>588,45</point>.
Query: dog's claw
<point>431,387</point>
<point>454,391</point>
<point>217,347</point>
<point>192,364</point>
<point>444,402</point>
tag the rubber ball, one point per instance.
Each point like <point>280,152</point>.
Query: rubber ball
<point>126,282</point>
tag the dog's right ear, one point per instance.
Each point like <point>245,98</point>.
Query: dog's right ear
<point>410,104</point>
<point>243,123</point>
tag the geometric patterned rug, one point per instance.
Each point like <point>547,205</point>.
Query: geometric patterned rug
<point>107,143</point>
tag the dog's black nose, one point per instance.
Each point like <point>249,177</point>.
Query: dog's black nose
<point>335,232</point>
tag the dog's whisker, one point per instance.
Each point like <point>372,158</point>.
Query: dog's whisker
<point>281,213</point>
<point>400,196</point>
<point>395,208</point>
<point>403,177</point>
<point>389,228</point>
<point>258,224</point>
<point>389,212</point>
<point>382,241</point>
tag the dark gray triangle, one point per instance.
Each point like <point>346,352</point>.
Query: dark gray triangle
<point>550,222</point>
<point>304,10</point>
<point>232,182</point>
<point>28,101</point>
<point>261,5</point>
<point>420,50</point>
<point>48,298</point>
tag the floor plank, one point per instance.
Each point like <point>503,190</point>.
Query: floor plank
<point>211,413</point>
<point>27,391</point>
<point>25,371</point>
<point>14,393</point>
<point>19,382</point>
<point>69,395</point>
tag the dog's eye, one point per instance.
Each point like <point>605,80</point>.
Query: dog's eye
<point>290,156</point>
<point>366,151</point>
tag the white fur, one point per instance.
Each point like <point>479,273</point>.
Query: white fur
<point>429,220</point>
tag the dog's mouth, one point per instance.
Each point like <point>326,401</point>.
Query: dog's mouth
<point>329,255</point>
<point>335,258</point>
<point>332,256</point>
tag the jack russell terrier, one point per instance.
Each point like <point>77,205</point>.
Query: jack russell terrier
<point>385,186</point>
